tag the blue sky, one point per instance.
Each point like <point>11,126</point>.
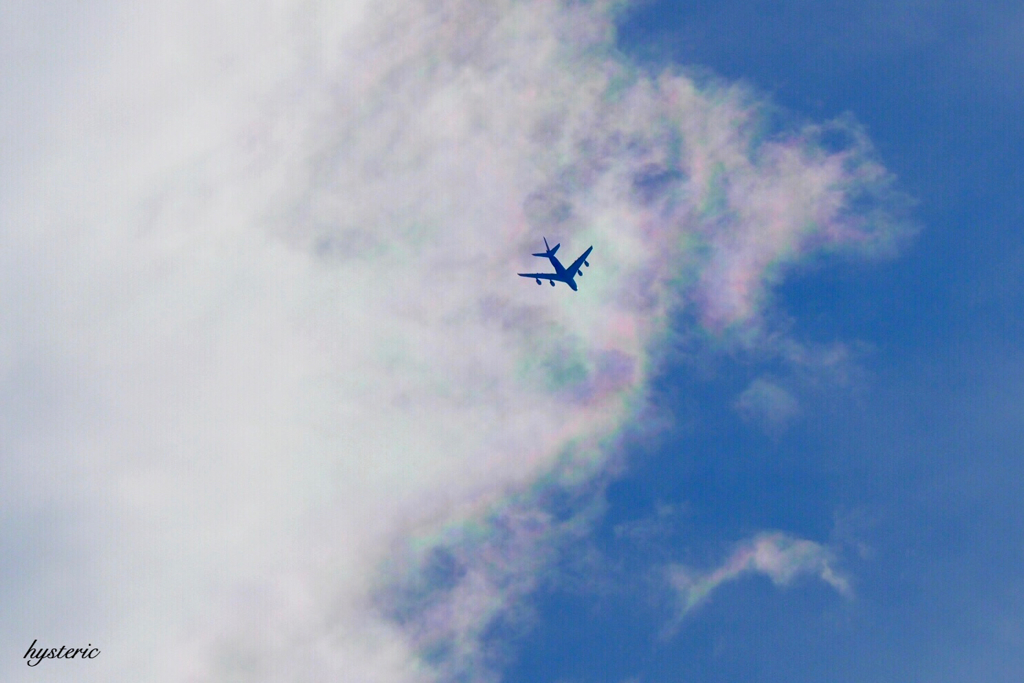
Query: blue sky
<point>912,468</point>
<point>274,405</point>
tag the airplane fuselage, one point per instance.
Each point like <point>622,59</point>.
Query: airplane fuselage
<point>562,274</point>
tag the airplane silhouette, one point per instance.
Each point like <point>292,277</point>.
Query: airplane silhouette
<point>561,274</point>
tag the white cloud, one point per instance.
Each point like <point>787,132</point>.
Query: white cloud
<point>260,326</point>
<point>778,556</point>
<point>768,403</point>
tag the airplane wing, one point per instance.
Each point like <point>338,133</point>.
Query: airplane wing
<point>540,276</point>
<point>574,268</point>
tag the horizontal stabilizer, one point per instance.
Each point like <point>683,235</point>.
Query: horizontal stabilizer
<point>550,250</point>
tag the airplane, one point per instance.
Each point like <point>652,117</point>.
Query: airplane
<point>561,274</point>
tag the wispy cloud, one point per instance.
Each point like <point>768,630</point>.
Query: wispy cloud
<point>768,403</point>
<point>778,556</point>
<point>261,333</point>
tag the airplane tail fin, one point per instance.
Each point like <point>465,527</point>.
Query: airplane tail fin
<point>550,251</point>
